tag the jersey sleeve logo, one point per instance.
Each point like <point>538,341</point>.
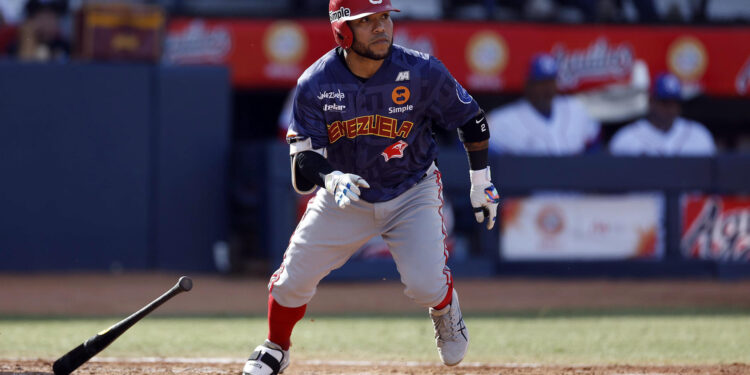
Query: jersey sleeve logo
<point>395,151</point>
<point>401,95</point>
<point>462,94</point>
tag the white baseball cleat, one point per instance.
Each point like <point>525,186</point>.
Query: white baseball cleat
<point>451,335</point>
<point>267,359</point>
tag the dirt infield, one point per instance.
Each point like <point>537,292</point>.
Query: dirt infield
<point>96,295</point>
<point>135,368</point>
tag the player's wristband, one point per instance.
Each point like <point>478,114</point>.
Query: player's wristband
<point>478,159</point>
<point>476,130</point>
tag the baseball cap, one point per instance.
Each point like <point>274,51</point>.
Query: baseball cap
<point>543,67</point>
<point>349,10</point>
<point>667,87</point>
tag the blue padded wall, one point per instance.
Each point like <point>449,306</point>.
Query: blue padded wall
<point>192,154</point>
<point>112,166</point>
<point>74,170</point>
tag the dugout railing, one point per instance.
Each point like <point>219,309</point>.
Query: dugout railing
<point>521,176</point>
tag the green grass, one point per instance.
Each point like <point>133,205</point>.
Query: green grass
<point>554,338</point>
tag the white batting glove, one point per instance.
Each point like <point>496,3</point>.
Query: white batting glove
<point>484,197</point>
<point>344,187</point>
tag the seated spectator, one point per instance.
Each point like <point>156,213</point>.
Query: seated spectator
<point>39,35</point>
<point>726,10</point>
<point>423,9</point>
<point>478,9</point>
<point>663,132</point>
<point>543,122</point>
<point>614,10</point>
<point>575,11</point>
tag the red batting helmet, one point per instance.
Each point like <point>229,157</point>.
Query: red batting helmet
<point>341,11</point>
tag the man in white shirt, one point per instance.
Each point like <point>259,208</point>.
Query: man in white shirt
<point>663,132</point>
<point>543,123</point>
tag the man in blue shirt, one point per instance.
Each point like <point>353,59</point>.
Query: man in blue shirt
<point>362,130</point>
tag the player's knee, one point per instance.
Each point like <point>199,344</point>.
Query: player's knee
<point>291,293</point>
<point>425,292</point>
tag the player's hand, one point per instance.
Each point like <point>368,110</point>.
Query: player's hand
<point>344,187</point>
<point>484,197</point>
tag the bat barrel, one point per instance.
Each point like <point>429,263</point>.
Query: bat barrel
<point>76,357</point>
<point>91,347</point>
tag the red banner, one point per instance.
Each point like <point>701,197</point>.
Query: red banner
<point>489,57</point>
<point>716,227</point>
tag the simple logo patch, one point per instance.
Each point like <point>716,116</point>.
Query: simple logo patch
<point>404,109</point>
<point>395,151</point>
<point>401,95</point>
<point>339,14</point>
<point>403,76</point>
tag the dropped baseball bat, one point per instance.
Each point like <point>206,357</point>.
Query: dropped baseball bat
<point>91,347</point>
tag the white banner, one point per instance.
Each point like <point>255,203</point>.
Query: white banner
<point>583,227</point>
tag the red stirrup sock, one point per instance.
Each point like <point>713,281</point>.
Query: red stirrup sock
<point>447,300</point>
<point>281,321</point>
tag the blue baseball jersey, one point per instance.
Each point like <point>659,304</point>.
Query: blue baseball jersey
<point>381,128</point>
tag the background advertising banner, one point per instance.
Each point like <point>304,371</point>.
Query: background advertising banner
<point>484,57</point>
<point>586,227</point>
<point>716,227</point>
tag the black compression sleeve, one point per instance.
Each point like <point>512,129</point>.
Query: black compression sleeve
<point>476,130</point>
<point>478,159</point>
<point>313,166</point>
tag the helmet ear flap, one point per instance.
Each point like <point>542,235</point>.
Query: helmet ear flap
<point>343,35</point>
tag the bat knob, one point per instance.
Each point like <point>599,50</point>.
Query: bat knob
<point>185,283</point>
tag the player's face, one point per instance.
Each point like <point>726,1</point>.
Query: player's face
<point>373,35</point>
<point>665,111</point>
<point>541,93</point>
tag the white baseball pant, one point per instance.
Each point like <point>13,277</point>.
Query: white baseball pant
<point>412,225</point>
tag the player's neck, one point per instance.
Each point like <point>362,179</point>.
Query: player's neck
<point>361,66</point>
<point>662,124</point>
<point>543,109</point>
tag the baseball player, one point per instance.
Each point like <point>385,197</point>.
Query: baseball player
<point>663,132</point>
<point>361,130</point>
<point>543,123</point>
